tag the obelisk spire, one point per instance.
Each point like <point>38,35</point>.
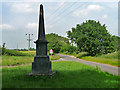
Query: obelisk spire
<point>41,31</point>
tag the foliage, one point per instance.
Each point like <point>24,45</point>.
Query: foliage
<point>113,55</point>
<point>15,53</point>
<point>3,49</point>
<point>85,76</point>
<point>115,41</point>
<point>12,52</point>
<point>68,49</point>
<point>92,37</point>
<point>81,54</point>
<point>56,42</point>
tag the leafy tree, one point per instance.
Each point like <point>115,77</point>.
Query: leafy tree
<point>3,49</point>
<point>115,42</point>
<point>56,42</point>
<point>92,37</point>
<point>69,49</point>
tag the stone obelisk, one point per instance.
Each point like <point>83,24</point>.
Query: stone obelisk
<point>41,64</point>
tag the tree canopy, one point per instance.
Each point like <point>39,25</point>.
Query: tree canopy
<point>56,42</point>
<point>92,37</point>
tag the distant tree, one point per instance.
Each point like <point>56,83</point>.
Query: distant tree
<point>3,49</point>
<point>56,42</point>
<point>92,37</point>
<point>69,49</point>
<point>32,49</point>
<point>115,41</point>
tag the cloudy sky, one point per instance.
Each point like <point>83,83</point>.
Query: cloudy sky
<point>19,18</point>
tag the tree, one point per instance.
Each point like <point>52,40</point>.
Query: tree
<point>56,42</point>
<point>92,37</point>
<point>3,49</point>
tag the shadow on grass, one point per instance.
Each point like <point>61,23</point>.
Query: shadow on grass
<point>87,78</point>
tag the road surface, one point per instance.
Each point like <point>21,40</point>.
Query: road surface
<point>104,67</point>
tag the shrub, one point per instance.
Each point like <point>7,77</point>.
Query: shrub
<point>69,49</point>
<point>14,53</point>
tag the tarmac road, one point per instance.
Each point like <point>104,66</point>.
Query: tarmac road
<point>104,67</point>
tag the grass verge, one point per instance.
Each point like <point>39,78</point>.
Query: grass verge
<point>109,61</point>
<point>17,60</point>
<point>54,57</point>
<point>69,74</point>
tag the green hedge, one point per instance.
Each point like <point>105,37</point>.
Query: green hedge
<point>14,53</point>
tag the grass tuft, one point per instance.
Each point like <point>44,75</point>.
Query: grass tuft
<point>54,57</point>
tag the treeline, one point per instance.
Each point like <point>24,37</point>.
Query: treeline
<point>4,51</point>
<point>56,42</point>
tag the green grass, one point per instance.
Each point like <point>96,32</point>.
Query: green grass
<point>113,62</point>
<point>69,74</point>
<point>113,55</point>
<point>17,60</point>
<point>15,53</point>
<point>110,58</point>
<point>54,57</point>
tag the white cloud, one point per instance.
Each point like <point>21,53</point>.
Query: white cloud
<point>88,10</point>
<point>94,7</point>
<point>22,8</point>
<point>79,13</point>
<point>32,25</point>
<point>6,27</point>
<point>105,16</point>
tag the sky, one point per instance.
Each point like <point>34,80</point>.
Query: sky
<point>21,18</point>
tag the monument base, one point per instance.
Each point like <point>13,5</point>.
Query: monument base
<point>41,66</point>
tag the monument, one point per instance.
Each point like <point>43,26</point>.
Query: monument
<point>41,64</point>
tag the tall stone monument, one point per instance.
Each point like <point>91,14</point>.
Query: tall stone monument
<point>41,64</point>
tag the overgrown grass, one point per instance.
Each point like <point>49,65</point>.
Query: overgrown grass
<point>17,60</point>
<point>113,62</point>
<point>30,52</point>
<point>15,53</point>
<point>110,58</point>
<point>69,74</point>
<point>54,57</point>
<point>113,55</point>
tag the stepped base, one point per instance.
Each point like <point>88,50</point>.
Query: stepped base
<point>41,66</point>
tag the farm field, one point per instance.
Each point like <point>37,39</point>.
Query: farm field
<point>69,74</point>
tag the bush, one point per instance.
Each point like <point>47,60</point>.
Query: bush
<point>69,49</point>
<point>82,54</point>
